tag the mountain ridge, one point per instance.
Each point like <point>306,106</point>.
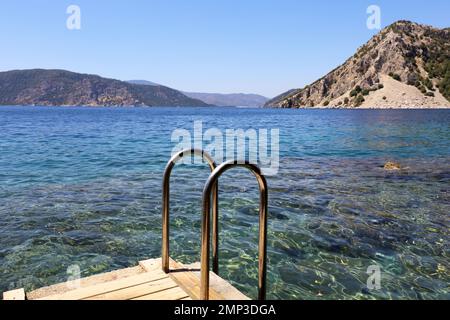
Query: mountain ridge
<point>415,57</point>
<point>219,99</point>
<point>144,82</point>
<point>55,87</point>
<point>229,99</point>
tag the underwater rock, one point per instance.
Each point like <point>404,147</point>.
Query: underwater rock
<point>274,213</point>
<point>331,244</point>
<point>392,166</point>
<point>313,225</point>
<point>364,290</point>
<point>291,252</point>
<point>248,210</point>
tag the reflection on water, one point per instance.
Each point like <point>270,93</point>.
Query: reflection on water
<point>334,210</point>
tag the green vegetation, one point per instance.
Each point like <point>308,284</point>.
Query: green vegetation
<point>326,103</point>
<point>427,82</point>
<point>423,89</point>
<point>437,60</point>
<point>59,88</point>
<point>444,84</point>
<point>359,100</point>
<point>421,47</point>
<point>355,91</point>
<point>419,84</point>
<point>395,76</point>
<point>365,92</point>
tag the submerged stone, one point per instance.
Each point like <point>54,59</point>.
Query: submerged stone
<point>392,166</point>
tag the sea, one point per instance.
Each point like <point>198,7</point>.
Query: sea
<point>81,188</point>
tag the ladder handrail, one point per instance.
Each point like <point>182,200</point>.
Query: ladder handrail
<point>166,204</point>
<point>263,212</point>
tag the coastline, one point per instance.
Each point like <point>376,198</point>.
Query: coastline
<point>237,107</point>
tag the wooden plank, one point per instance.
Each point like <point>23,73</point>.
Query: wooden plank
<point>170,294</point>
<point>102,288</point>
<point>146,281</point>
<point>151,265</point>
<point>222,287</point>
<point>18,294</point>
<point>84,282</point>
<point>137,291</point>
<point>187,280</point>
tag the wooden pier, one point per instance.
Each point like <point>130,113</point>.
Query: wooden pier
<point>146,281</point>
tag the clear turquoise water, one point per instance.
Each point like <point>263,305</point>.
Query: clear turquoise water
<point>82,186</point>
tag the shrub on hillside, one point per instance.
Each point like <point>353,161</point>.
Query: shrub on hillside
<point>423,89</point>
<point>444,85</point>
<point>427,82</point>
<point>359,100</point>
<point>355,91</point>
<point>395,76</point>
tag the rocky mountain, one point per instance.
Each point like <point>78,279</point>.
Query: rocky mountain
<point>226,100</point>
<point>64,88</point>
<point>406,65</point>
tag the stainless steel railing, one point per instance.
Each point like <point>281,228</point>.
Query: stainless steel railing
<point>166,206</point>
<point>210,188</point>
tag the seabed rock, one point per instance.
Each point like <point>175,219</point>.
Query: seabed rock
<point>392,166</point>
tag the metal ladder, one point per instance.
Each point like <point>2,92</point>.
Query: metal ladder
<point>210,191</point>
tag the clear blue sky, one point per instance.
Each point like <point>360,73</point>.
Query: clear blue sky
<point>253,46</point>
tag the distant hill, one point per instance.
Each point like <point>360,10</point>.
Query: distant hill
<point>406,65</point>
<point>219,99</point>
<point>233,99</point>
<point>144,82</point>
<point>64,88</point>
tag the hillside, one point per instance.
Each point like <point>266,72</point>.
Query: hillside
<point>406,65</point>
<point>220,99</point>
<point>233,99</point>
<point>63,88</point>
<point>148,83</point>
